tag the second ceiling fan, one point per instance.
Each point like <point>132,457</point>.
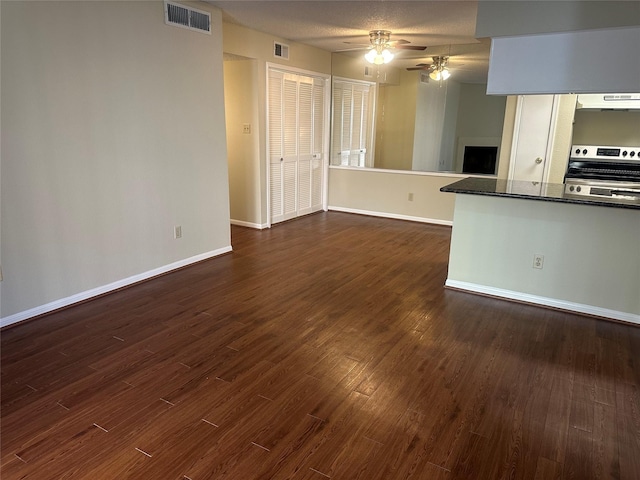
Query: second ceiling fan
<point>437,70</point>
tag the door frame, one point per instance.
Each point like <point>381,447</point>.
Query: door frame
<point>326,137</point>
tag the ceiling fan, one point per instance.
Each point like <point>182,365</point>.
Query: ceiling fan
<point>380,44</point>
<point>437,70</point>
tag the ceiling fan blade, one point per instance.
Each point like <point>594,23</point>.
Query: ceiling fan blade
<point>422,66</point>
<point>410,47</point>
<point>355,49</point>
<point>359,43</point>
<point>400,41</point>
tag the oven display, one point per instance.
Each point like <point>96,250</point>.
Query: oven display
<point>608,152</point>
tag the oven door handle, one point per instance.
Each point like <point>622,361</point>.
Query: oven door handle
<point>626,193</point>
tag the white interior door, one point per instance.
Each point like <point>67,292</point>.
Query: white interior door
<point>531,145</point>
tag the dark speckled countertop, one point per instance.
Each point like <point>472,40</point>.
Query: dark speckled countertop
<point>550,192</point>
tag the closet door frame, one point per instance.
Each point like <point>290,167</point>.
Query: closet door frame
<point>326,130</point>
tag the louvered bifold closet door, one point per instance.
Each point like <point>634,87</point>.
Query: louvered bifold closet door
<point>350,123</point>
<point>342,115</point>
<point>296,144</point>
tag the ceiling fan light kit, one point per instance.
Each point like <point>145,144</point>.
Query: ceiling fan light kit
<point>381,42</point>
<point>378,56</point>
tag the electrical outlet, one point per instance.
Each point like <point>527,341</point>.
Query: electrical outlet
<point>411,197</point>
<point>246,128</point>
<point>177,231</point>
<point>538,261</point>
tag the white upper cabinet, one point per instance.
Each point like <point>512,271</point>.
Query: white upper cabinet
<point>564,46</point>
<point>590,61</point>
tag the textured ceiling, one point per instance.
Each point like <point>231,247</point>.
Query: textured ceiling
<point>443,26</point>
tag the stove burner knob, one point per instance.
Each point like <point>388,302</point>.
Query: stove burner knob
<point>624,154</point>
<point>584,152</point>
<point>632,154</point>
<point>577,151</point>
<point>578,189</point>
<point>571,188</point>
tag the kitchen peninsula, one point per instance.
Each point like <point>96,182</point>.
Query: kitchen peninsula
<point>586,252</point>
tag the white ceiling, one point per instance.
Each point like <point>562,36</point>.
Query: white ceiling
<point>445,27</point>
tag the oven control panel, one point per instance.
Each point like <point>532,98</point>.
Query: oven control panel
<point>605,153</point>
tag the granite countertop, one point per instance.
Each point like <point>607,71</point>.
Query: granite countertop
<point>550,192</point>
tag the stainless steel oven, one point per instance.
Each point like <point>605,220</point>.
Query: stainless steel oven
<point>604,173</point>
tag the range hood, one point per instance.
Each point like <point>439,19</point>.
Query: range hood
<point>609,101</point>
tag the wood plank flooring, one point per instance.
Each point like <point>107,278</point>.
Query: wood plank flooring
<point>325,347</point>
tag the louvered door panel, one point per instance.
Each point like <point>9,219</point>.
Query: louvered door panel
<point>276,152</point>
<point>317,175</point>
<point>290,146</point>
<point>289,190</point>
<point>316,170</point>
<point>304,186</point>
<point>305,152</point>
<point>338,157</point>
<point>276,192</point>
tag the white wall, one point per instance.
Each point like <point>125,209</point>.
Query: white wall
<point>241,107</point>
<point>586,267</point>
<point>112,133</point>
<point>386,193</point>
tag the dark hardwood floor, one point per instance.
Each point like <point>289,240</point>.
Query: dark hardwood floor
<point>326,347</point>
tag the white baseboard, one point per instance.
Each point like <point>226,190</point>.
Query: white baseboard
<point>94,292</point>
<point>545,301</point>
<point>395,216</point>
<point>242,223</point>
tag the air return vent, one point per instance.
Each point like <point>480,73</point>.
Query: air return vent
<point>187,17</point>
<point>281,50</point>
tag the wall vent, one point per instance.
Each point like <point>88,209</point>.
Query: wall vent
<point>187,17</point>
<point>281,50</point>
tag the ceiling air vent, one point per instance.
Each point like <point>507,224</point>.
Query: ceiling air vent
<point>281,50</point>
<point>187,17</point>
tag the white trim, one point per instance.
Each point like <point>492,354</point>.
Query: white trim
<point>516,134</point>
<point>242,223</point>
<point>545,301</point>
<point>546,172</point>
<point>94,292</point>
<point>395,216</point>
